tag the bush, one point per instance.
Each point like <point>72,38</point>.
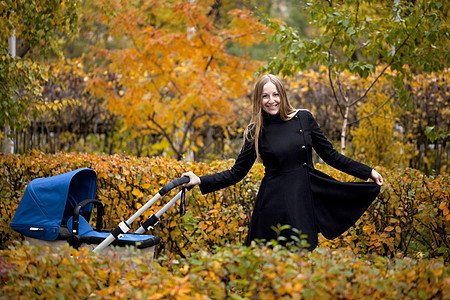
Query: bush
<point>231,272</point>
<point>125,183</point>
<point>410,216</point>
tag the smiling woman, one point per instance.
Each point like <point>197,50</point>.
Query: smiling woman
<point>292,191</point>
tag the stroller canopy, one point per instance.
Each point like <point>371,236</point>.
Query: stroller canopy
<point>49,202</point>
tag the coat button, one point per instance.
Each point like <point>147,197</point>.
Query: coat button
<point>300,131</point>
<point>303,147</point>
<point>305,164</point>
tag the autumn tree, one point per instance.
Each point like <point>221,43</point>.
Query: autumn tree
<point>427,125</point>
<point>359,35</point>
<point>36,26</point>
<point>175,74</point>
<point>376,136</point>
<point>85,125</point>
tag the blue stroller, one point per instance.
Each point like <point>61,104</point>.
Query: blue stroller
<point>56,210</point>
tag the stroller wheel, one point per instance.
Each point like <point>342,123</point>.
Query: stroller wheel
<point>74,241</point>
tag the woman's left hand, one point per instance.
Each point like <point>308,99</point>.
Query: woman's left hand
<point>193,179</point>
<point>376,177</point>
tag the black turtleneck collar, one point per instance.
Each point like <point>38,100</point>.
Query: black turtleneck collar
<point>267,119</point>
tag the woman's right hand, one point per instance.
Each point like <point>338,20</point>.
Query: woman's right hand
<point>193,179</point>
<point>376,177</point>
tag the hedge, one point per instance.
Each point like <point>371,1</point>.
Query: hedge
<point>231,272</point>
<point>410,216</point>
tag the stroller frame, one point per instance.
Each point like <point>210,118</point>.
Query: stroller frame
<point>125,226</point>
<point>72,199</point>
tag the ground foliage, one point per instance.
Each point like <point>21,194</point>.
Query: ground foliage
<point>229,272</point>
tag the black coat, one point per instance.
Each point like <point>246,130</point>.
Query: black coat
<point>293,192</point>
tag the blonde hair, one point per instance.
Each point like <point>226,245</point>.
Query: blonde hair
<point>287,112</point>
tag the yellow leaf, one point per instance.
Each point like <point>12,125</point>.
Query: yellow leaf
<point>438,272</point>
<point>137,192</point>
<point>102,275</point>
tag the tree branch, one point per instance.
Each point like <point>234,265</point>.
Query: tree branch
<point>158,65</point>
<point>210,59</point>
<point>334,92</point>
<point>356,14</point>
<point>165,134</point>
<point>340,87</point>
<point>189,125</point>
<point>374,112</point>
<point>23,50</point>
<point>383,71</point>
<point>331,80</point>
<point>390,63</point>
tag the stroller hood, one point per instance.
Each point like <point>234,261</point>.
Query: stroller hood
<point>49,202</point>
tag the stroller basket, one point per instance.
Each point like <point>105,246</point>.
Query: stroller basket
<point>58,208</point>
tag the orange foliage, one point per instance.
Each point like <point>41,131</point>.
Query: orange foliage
<point>175,77</point>
<point>231,272</point>
<point>410,216</point>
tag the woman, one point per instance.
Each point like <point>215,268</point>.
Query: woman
<point>292,192</point>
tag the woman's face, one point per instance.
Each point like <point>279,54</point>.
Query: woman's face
<point>270,99</point>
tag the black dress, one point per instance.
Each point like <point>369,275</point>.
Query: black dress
<point>292,192</point>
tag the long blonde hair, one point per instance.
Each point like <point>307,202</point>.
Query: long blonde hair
<point>287,112</point>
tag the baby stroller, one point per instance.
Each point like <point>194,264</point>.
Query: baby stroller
<point>56,210</point>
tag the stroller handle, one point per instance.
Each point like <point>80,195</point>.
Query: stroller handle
<point>173,184</point>
<point>124,226</point>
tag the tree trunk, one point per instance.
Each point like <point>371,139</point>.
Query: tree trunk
<point>344,129</point>
<point>8,143</point>
<point>438,162</point>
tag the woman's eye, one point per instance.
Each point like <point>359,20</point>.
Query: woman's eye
<point>276,95</point>
<point>265,96</point>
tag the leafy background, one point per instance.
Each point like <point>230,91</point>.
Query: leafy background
<point>142,91</point>
<point>399,246</point>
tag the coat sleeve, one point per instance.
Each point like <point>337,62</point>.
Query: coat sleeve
<point>243,164</point>
<point>335,159</point>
